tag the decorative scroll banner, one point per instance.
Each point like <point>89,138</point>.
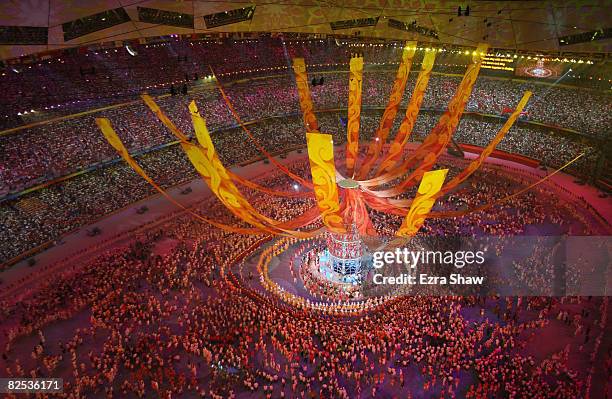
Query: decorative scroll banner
<point>476,163</point>
<point>354,113</point>
<point>439,137</point>
<point>204,158</point>
<point>386,122</point>
<point>301,80</point>
<point>237,178</point>
<point>323,170</point>
<point>412,112</point>
<point>206,143</point>
<point>422,203</point>
<point>401,205</point>
<point>396,206</point>
<point>115,141</point>
<point>207,165</point>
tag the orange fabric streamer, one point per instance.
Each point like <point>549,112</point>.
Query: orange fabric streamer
<point>354,113</point>
<point>399,207</point>
<point>301,80</point>
<point>412,112</point>
<point>323,169</point>
<point>183,138</point>
<point>467,172</point>
<point>476,163</point>
<point>207,165</point>
<point>395,98</point>
<point>204,158</point>
<point>114,140</point>
<point>437,140</point>
<point>148,100</point>
<point>423,202</point>
<point>384,205</point>
<point>453,214</point>
<point>356,212</point>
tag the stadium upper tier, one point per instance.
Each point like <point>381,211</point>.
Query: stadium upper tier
<point>82,79</point>
<point>54,149</point>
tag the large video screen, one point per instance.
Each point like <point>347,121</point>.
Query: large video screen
<point>539,69</point>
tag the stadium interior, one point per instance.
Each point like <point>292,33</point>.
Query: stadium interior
<point>213,199</point>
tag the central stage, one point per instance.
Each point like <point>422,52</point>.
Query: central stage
<point>330,271</point>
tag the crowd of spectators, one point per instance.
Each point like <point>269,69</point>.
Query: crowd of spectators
<point>52,150</point>
<point>55,149</point>
<point>76,81</point>
<point>165,317</point>
<point>163,314</point>
<point>89,196</point>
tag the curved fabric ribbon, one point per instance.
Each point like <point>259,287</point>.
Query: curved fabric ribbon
<point>412,112</point>
<point>301,80</point>
<point>467,172</point>
<point>384,205</point>
<point>204,158</point>
<point>354,113</point>
<point>261,149</point>
<point>356,212</point>
<point>114,140</point>
<point>183,138</point>
<point>477,163</point>
<point>399,207</point>
<point>437,140</point>
<point>395,98</point>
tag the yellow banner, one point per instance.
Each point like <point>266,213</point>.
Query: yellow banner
<point>235,177</point>
<point>207,165</point>
<point>439,137</point>
<point>422,203</point>
<point>386,122</point>
<point>204,158</point>
<point>301,80</point>
<point>412,112</point>
<point>323,170</point>
<point>114,140</point>
<point>354,113</point>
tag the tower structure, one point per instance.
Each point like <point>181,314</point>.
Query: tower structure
<point>346,251</point>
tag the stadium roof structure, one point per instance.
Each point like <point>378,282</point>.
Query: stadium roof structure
<point>31,26</point>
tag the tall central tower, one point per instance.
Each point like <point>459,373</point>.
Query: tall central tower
<point>345,252</point>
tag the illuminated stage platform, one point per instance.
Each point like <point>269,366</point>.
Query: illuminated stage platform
<point>342,260</point>
<point>345,272</point>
